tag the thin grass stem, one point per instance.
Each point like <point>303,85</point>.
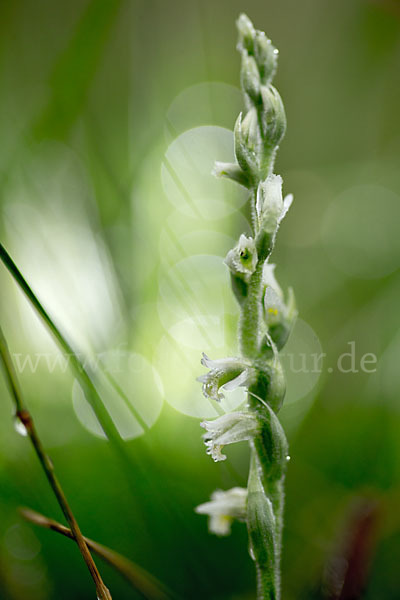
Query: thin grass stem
<point>142,581</point>
<point>26,420</point>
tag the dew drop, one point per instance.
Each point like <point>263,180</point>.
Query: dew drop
<point>288,458</point>
<point>20,427</point>
<point>276,51</point>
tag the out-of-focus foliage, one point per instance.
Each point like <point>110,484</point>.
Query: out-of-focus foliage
<point>111,115</point>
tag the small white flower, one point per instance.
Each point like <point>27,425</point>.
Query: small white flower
<point>226,373</point>
<point>274,305</point>
<point>269,279</point>
<point>271,208</point>
<point>242,259</point>
<point>229,429</point>
<point>223,508</point>
<point>276,309</point>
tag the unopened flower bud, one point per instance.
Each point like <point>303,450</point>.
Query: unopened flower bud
<point>266,56</point>
<point>250,77</point>
<point>246,140</point>
<point>273,117</point>
<point>246,33</point>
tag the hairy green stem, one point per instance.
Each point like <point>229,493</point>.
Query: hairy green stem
<point>250,316</point>
<point>268,571</point>
<point>264,323</point>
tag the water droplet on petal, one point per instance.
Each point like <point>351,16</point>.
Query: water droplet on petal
<point>288,458</point>
<point>20,427</point>
<point>276,51</point>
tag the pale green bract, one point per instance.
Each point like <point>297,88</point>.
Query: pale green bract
<point>266,319</point>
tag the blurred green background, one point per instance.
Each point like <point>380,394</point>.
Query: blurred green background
<point>111,114</point>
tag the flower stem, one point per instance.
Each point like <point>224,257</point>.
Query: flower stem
<point>266,555</point>
<point>250,316</point>
<point>265,319</point>
<point>269,497</point>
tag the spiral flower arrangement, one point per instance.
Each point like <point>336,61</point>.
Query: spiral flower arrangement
<point>266,319</point>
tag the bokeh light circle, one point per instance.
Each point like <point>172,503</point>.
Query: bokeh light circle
<point>175,246</point>
<point>300,361</point>
<point>205,103</point>
<point>196,288</point>
<point>187,179</point>
<point>130,389</point>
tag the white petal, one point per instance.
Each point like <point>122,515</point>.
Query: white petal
<point>202,378</point>
<point>269,278</point>
<point>215,451</point>
<point>269,203</point>
<point>220,363</point>
<point>259,202</point>
<point>287,203</point>
<point>273,303</point>
<point>223,508</point>
<point>220,525</point>
<point>229,429</point>
<point>237,382</point>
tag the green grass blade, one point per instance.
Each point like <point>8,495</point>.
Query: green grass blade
<point>78,367</point>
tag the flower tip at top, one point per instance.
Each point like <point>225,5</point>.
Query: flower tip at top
<point>247,33</point>
<point>255,43</point>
